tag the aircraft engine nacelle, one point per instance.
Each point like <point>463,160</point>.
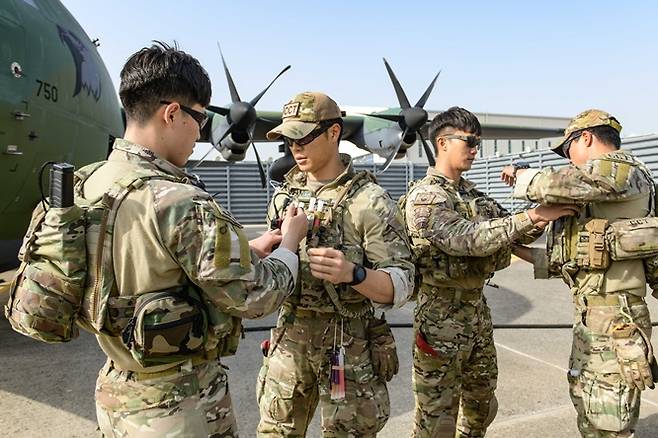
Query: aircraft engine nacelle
<point>383,140</point>
<point>231,145</point>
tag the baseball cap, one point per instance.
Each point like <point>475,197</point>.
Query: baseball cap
<point>303,113</point>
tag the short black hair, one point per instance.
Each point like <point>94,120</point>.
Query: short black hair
<point>161,72</point>
<point>456,118</point>
<point>606,135</point>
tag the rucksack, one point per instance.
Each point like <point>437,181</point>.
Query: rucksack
<point>52,291</point>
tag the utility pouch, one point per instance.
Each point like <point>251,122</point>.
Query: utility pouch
<point>166,327</point>
<point>591,248</point>
<point>634,354</point>
<point>633,238</point>
<point>382,349</point>
<point>46,293</point>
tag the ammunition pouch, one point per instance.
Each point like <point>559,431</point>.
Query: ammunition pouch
<point>591,248</point>
<point>383,353</point>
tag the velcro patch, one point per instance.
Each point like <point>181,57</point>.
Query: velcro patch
<point>428,199</point>
<point>290,110</point>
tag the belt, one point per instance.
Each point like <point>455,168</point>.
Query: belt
<point>309,314</point>
<point>459,295</point>
<point>609,300</point>
<point>195,361</point>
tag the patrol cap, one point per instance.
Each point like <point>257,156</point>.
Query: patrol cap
<point>590,118</point>
<point>303,114</point>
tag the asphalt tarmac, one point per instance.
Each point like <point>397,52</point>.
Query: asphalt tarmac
<point>47,390</point>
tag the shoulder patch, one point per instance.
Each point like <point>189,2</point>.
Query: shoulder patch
<point>429,198</point>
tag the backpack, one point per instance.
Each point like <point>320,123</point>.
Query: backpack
<point>52,289</point>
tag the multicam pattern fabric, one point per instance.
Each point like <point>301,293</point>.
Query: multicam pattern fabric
<point>606,405</point>
<point>587,119</point>
<point>294,378</point>
<point>459,237</point>
<point>173,236</point>
<point>613,186</point>
<point>194,402</point>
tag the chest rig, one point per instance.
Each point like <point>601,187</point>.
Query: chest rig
<point>327,228</point>
<point>437,268</point>
<point>581,249</point>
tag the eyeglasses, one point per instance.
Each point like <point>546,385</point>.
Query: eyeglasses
<point>199,117</point>
<point>567,144</point>
<point>324,125</point>
<point>472,141</point>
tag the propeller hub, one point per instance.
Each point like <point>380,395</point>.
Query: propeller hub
<point>242,115</point>
<point>414,118</point>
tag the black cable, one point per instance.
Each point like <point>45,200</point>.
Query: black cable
<point>44,201</point>
<point>496,326</point>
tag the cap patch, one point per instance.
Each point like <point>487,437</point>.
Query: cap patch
<point>290,110</point>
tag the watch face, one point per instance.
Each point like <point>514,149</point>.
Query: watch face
<point>360,274</point>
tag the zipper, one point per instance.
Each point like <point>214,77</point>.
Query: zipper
<point>170,324</point>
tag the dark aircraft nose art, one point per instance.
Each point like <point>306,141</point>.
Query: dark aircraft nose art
<point>87,74</point>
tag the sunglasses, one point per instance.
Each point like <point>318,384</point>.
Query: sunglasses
<point>198,116</point>
<point>567,145</point>
<point>311,136</point>
<point>472,141</point>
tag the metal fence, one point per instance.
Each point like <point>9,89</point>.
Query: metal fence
<point>237,185</point>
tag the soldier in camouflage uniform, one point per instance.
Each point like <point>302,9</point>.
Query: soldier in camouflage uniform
<point>611,352</point>
<point>170,235</point>
<point>459,238</point>
<point>355,256</point>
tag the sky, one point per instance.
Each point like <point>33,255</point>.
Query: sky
<point>530,58</point>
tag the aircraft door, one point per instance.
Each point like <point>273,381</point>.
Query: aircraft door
<point>15,155</point>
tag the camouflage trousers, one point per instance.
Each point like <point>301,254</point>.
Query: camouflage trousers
<point>195,402</point>
<point>605,404</point>
<point>455,372</point>
<point>295,378</point>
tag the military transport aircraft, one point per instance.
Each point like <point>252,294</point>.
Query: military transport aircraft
<point>58,103</point>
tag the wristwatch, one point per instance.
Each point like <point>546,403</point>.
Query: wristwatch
<point>358,275</point>
<point>520,165</point>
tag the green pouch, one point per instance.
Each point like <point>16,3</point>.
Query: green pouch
<point>46,293</point>
<point>166,327</point>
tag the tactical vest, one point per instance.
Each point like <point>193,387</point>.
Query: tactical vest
<point>578,248</point>
<point>67,277</point>
<point>439,269</point>
<point>326,220</point>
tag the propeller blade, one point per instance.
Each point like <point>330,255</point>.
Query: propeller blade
<point>201,160</point>
<point>255,100</point>
<point>391,157</point>
<point>235,97</point>
<point>426,95</point>
<point>390,117</point>
<point>261,172</point>
<point>402,98</point>
<point>228,131</point>
<point>428,150</point>
<point>219,110</point>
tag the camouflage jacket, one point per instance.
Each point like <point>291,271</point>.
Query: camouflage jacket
<point>460,236</point>
<point>366,226</point>
<point>614,186</point>
<point>168,234</point>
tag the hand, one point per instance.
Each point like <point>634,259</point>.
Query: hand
<point>262,245</point>
<point>331,265</point>
<point>547,213</point>
<point>293,228</point>
<point>508,175</point>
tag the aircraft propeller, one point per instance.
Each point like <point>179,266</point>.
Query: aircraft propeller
<point>410,119</point>
<point>241,116</point>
